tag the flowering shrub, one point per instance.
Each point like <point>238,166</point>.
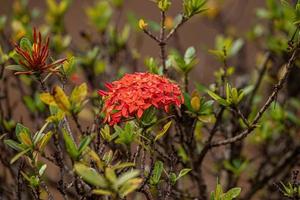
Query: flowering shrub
<point>34,56</point>
<point>135,93</point>
<point>82,118</point>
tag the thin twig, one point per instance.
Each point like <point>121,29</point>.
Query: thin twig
<point>271,98</point>
<point>151,35</point>
<point>174,30</point>
<point>211,135</point>
<point>162,43</point>
<point>263,69</point>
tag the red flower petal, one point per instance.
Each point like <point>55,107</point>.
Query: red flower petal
<point>134,93</point>
<point>102,93</point>
<point>140,113</point>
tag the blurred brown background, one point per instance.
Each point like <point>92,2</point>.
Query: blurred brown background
<point>199,32</point>
<point>237,15</point>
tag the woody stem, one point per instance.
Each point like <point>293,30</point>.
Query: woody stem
<point>162,42</point>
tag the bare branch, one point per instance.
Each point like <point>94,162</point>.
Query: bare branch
<point>271,98</point>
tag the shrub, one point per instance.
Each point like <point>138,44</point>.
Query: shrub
<point>102,128</point>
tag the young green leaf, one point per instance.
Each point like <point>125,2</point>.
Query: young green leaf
<point>102,192</point>
<point>26,44</point>
<point>156,174</point>
<point>61,99</point>
<point>183,172</point>
<point>16,146</point>
<point>123,165</point>
<point>84,144</point>
<point>161,133</point>
<point>44,141</point>
<point>90,175</point>
<point>17,156</point>
<point>232,193</point>
<point>173,178</point>
<point>70,145</point>
<point>42,169</point>
<point>18,68</point>
<point>23,134</point>
<point>110,175</point>
<point>126,177</point>
<point>79,93</point>
<point>163,5</point>
<point>130,186</point>
<point>217,98</point>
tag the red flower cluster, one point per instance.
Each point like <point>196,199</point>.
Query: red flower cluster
<point>134,93</point>
<point>35,60</point>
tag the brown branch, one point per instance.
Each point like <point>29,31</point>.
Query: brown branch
<point>269,101</point>
<point>241,115</point>
<point>151,35</point>
<point>263,69</point>
<point>174,30</point>
<point>211,135</point>
<point>162,43</point>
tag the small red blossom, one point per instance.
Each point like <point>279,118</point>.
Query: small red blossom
<point>134,93</point>
<point>36,59</point>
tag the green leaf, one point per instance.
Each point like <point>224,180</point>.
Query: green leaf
<point>34,181</point>
<point>195,103</point>
<point>127,135</point>
<point>173,178</point>
<point>18,68</point>
<point>84,143</point>
<point>193,7</point>
<point>108,156</point>
<point>14,145</point>
<point>48,99</point>
<point>234,95</point>
<point>123,165</point>
<point>110,175</point>
<point>42,169</point>
<point>130,186</point>
<point>78,94</point>
<point>219,191</point>
<point>23,134</point>
<point>219,54</point>
<point>61,99</point>
<point>232,193</point>
<point>2,136</point>
<point>217,98</point>
<point>156,174</point>
<point>44,141</point>
<point>101,192</point>
<point>163,4</point>
<point>16,157</point>
<point>90,175</point>
<point>36,138</point>
<point>26,44</point>
<point>236,46</point>
<point>70,145</point>
<point>183,172</point>
<point>189,55</point>
<point>126,177</point>
<point>228,92</point>
<point>248,89</point>
<point>161,133</point>
<point>105,133</point>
